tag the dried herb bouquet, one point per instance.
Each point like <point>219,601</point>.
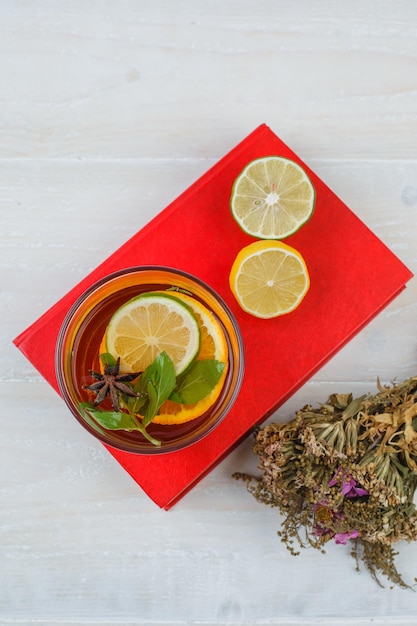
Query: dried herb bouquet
<point>346,471</point>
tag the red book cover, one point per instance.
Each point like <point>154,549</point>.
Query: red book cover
<point>353,276</point>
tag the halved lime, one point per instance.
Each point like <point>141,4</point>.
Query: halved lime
<point>272,198</point>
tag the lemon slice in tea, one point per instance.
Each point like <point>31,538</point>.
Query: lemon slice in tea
<point>149,324</point>
<point>269,278</point>
<point>272,198</point>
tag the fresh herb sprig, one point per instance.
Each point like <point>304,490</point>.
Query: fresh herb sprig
<point>150,390</point>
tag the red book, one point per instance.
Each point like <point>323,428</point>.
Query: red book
<point>353,276</point>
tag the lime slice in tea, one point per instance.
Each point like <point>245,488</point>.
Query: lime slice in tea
<point>149,324</point>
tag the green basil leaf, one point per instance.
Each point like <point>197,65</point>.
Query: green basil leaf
<point>111,420</point>
<point>198,381</point>
<point>152,406</point>
<point>176,397</point>
<point>107,359</point>
<point>157,381</point>
<point>162,375</point>
<point>134,405</point>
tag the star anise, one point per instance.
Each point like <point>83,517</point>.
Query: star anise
<point>111,381</point>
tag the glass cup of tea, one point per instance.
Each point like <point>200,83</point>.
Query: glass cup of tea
<point>86,373</point>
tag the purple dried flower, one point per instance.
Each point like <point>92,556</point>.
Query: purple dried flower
<point>351,490</point>
<point>343,537</point>
<point>349,485</point>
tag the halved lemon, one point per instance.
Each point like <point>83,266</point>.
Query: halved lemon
<point>149,324</point>
<point>272,198</point>
<point>213,346</point>
<point>269,278</point>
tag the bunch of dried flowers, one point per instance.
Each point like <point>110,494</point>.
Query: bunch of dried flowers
<point>346,471</point>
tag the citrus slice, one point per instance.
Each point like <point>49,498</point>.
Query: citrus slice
<point>272,198</point>
<point>149,324</point>
<point>269,278</point>
<point>213,346</point>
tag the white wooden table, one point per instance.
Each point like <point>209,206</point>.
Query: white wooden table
<point>108,111</point>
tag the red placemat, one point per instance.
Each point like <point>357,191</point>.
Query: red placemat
<point>353,276</point>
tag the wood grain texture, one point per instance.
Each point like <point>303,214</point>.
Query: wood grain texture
<point>108,111</point>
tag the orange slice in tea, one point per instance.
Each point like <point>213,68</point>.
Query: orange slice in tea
<point>213,346</point>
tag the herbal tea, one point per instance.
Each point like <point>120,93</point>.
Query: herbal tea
<point>149,360</point>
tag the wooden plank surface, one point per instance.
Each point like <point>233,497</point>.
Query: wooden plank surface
<point>108,111</point>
